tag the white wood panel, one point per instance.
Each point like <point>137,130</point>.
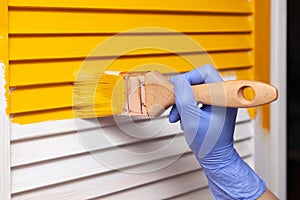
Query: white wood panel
<point>104,184</point>
<point>46,128</point>
<point>62,145</point>
<point>243,131</point>
<point>62,170</point>
<point>4,137</point>
<point>168,188</point>
<point>242,115</point>
<point>58,156</point>
<point>165,188</point>
<point>204,194</point>
<point>26,131</point>
<point>243,148</point>
<point>57,171</point>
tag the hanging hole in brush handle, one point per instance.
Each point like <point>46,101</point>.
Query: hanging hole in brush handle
<point>237,93</point>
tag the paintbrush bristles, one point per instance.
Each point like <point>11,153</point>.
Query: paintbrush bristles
<point>97,96</point>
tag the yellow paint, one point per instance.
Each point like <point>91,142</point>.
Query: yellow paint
<point>73,21</point>
<point>228,6</point>
<point>249,93</point>
<point>248,76</point>
<point>105,107</point>
<point>43,72</point>
<point>40,116</point>
<point>262,51</point>
<point>49,40</point>
<point>108,98</point>
<point>4,46</point>
<point>38,97</point>
<point>54,47</point>
<point>41,98</point>
<point>243,74</point>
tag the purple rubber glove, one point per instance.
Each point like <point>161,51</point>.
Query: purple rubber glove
<point>209,132</point>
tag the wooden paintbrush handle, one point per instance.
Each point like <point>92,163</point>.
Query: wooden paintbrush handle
<point>231,93</point>
<point>159,93</point>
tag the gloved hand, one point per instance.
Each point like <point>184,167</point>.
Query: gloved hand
<point>209,132</point>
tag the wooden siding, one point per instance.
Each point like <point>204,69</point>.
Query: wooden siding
<point>47,165</point>
<point>49,40</point>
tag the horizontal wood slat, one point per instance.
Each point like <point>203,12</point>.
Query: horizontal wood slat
<point>204,193</point>
<point>71,168</point>
<point>77,167</point>
<point>187,183</point>
<point>100,185</point>
<point>165,189</point>
<point>68,46</point>
<point>70,143</point>
<point>41,98</point>
<point>51,128</point>
<point>27,21</point>
<point>42,116</point>
<point>32,73</point>
<point>230,6</point>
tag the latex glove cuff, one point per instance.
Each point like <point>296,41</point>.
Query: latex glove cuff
<point>236,180</point>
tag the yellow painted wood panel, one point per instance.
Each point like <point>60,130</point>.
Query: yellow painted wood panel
<point>4,59</point>
<point>71,46</point>
<point>67,92</point>
<point>232,6</point>
<point>41,98</point>
<point>59,71</point>
<point>49,40</point>
<point>262,51</point>
<point>45,115</point>
<point>72,21</point>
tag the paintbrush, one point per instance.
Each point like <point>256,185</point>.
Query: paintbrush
<point>150,94</point>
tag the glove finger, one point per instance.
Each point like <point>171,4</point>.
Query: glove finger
<point>174,115</point>
<point>204,74</point>
<point>184,95</point>
<point>186,104</point>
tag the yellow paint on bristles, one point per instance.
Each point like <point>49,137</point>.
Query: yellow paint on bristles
<point>99,97</point>
<point>103,93</point>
